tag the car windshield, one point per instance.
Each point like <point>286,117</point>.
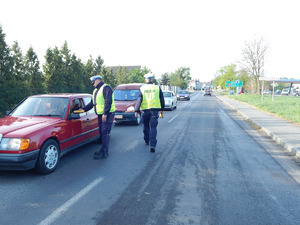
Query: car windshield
<point>167,94</point>
<point>126,94</point>
<point>41,106</point>
<point>183,92</point>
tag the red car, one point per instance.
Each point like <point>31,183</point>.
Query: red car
<point>125,96</point>
<point>42,128</point>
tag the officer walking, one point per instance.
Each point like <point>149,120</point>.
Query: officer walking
<point>151,102</point>
<point>104,106</point>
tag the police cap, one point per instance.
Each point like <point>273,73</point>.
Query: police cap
<point>93,78</point>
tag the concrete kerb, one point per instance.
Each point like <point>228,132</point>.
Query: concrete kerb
<point>290,148</point>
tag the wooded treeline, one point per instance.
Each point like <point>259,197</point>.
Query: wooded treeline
<point>22,75</point>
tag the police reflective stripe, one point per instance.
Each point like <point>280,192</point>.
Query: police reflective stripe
<point>151,99</point>
<point>100,101</point>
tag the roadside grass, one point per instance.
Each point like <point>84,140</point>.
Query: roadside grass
<point>286,107</point>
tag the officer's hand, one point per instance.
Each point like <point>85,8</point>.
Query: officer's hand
<point>104,118</point>
<point>136,115</point>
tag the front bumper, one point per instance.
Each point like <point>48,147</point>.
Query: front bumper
<point>125,117</point>
<point>18,161</point>
<point>183,97</point>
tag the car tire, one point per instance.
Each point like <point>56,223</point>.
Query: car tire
<point>138,120</point>
<point>48,157</point>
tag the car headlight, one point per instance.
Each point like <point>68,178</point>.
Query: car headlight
<point>14,144</point>
<point>130,109</point>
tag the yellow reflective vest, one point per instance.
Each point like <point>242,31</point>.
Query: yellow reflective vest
<point>150,94</point>
<point>100,101</point>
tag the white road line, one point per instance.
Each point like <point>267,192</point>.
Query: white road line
<point>173,118</point>
<point>57,213</point>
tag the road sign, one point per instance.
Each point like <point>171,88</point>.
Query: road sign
<point>236,83</point>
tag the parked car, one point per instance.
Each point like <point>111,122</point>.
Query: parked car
<point>42,128</point>
<point>207,92</point>
<point>297,94</point>
<point>170,100</point>
<point>183,95</point>
<point>277,92</point>
<point>285,92</point>
<point>125,96</point>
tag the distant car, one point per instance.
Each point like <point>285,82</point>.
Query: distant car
<point>125,96</point>
<point>297,94</point>
<point>170,100</point>
<point>183,95</point>
<point>285,92</point>
<point>42,128</point>
<point>277,92</point>
<point>207,92</point>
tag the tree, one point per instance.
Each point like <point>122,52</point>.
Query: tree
<point>53,69</point>
<point>6,68</point>
<point>253,60</point>
<point>226,73</point>
<point>165,80</point>
<point>98,65</point>
<point>137,75</point>
<point>121,75</point>
<point>20,89</point>
<point>35,78</point>
<point>181,77</point>
<point>108,76</point>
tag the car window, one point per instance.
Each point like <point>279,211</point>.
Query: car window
<point>183,92</point>
<point>167,94</point>
<point>42,106</point>
<point>126,94</point>
<point>86,101</point>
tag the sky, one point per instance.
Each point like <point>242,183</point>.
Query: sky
<point>163,35</point>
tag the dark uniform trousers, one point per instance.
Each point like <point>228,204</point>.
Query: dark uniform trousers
<point>104,129</point>
<point>150,121</point>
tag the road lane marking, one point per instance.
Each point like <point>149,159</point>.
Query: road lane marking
<point>59,211</point>
<point>173,118</point>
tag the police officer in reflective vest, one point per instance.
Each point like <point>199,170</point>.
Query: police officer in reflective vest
<point>104,106</point>
<point>151,102</point>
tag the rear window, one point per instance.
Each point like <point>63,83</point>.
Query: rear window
<point>126,94</point>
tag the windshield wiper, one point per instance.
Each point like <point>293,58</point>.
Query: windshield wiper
<point>48,115</point>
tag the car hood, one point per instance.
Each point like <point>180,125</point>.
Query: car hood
<point>21,126</point>
<point>123,105</point>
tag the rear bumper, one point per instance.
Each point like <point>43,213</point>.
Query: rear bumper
<point>124,117</point>
<point>18,161</point>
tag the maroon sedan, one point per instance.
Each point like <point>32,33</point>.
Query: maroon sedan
<point>42,128</point>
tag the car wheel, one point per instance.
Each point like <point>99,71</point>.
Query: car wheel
<point>172,107</point>
<point>138,120</point>
<point>48,157</point>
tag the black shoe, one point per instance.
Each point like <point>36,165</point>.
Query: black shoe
<point>152,149</point>
<point>99,155</point>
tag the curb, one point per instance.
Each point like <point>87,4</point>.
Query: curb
<point>290,148</point>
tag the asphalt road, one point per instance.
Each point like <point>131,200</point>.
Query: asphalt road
<point>210,167</point>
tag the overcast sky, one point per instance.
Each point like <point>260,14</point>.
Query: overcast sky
<point>162,35</point>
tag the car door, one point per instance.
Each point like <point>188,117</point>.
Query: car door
<point>79,130</point>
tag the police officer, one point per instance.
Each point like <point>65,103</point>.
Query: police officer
<point>151,102</point>
<point>104,106</point>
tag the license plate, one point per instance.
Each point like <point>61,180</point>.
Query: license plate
<point>119,116</point>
